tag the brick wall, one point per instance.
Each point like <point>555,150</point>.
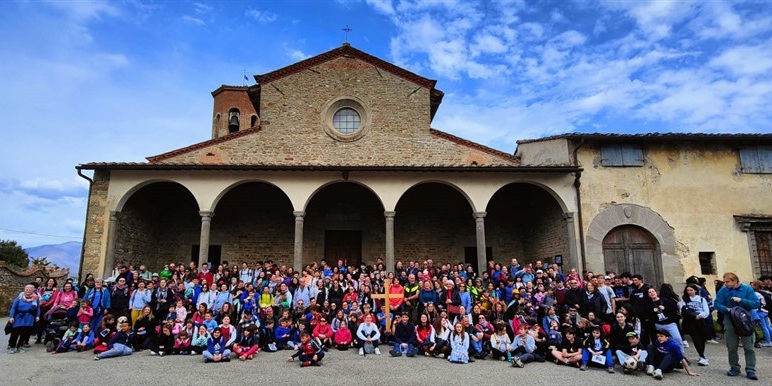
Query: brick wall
<point>224,101</point>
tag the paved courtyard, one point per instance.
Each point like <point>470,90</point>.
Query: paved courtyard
<point>339,368</point>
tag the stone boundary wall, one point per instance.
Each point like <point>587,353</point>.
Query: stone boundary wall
<point>12,281</point>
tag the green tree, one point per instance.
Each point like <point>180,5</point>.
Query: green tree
<point>13,254</point>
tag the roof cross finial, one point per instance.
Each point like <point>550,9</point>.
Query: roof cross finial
<point>347,30</point>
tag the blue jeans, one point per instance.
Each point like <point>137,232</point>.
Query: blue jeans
<point>765,328</point>
<point>475,347</point>
<point>96,320</point>
<point>118,350</point>
<point>733,344</point>
<point>622,357</point>
<point>398,348</point>
<point>225,354</point>
<point>586,357</point>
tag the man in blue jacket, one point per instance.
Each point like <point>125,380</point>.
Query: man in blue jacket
<point>733,294</point>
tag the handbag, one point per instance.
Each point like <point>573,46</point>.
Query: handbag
<point>8,327</point>
<point>454,309</point>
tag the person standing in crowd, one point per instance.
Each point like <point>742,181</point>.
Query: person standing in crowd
<point>736,294</point>
<point>99,297</point>
<point>24,313</point>
<point>642,305</point>
<point>694,310</point>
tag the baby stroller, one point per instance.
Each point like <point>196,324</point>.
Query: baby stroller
<point>55,329</point>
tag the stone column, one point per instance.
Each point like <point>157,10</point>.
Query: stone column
<point>297,261</point>
<point>110,255</point>
<point>572,260</point>
<point>482,257</point>
<point>203,247</point>
<point>389,240</point>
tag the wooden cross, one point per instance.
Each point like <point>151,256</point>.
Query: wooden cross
<point>386,296</point>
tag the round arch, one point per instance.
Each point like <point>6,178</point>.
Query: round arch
<point>325,185</point>
<point>134,189</point>
<point>642,217</point>
<point>441,182</point>
<point>558,200</point>
<point>242,182</point>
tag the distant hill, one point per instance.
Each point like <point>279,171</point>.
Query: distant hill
<point>65,255</point>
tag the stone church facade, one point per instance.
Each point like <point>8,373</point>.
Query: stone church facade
<point>334,157</point>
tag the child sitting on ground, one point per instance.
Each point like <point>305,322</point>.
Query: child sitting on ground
<point>268,339</point>
<point>501,344</point>
<point>182,344</point>
<point>199,340</point>
<point>570,350</point>
<point>632,356</point>
<point>309,353</point>
<point>68,340</point>
<point>596,349</point>
<point>283,333</point>
<point>245,345</point>
<point>523,347</point>
<point>85,338</point>
<point>215,349</point>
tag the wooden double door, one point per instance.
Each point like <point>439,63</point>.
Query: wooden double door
<point>632,249</point>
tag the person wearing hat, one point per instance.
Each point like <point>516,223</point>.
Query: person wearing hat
<point>664,354</point>
<point>632,350</point>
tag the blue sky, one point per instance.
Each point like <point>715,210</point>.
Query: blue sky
<point>87,81</point>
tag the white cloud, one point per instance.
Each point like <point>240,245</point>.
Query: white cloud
<point>296,54</point>
<point>746,60</point>
<point>382,6</point>
<point>84,10</point>
<point>193,20</point>
<point>261,16</point>
<point>201,8</point>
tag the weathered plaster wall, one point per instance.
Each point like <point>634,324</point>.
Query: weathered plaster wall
<point>695,188</point>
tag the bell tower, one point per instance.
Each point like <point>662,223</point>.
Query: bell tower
<point>233,111</point>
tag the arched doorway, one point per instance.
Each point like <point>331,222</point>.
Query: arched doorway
<point>629,248</point>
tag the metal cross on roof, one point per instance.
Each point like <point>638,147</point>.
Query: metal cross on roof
<point>347,30</point>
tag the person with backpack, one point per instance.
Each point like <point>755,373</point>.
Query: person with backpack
<point>735,294</point>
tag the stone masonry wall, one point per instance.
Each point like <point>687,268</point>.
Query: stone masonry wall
<point>292,130</point>
<point>96,222</point>
<point>12,281</point>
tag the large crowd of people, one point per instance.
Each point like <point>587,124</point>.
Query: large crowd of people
<point>515,313</point>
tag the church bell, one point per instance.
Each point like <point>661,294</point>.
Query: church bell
<point>233,123</point>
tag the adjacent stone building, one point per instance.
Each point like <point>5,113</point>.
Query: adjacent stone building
<point>669,205</point>
<point>334,157</point>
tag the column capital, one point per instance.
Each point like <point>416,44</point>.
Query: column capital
<point>479,215</point>
<point>568,216</point>
<point>299,213</point>
<point>206,214</point>
<point>389,214</point>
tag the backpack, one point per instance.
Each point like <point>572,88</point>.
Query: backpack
<point>742,321</point>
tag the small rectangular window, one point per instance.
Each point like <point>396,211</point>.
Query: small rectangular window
<point>756,159</point>
<point>708,263</point>
<point>621,155</point>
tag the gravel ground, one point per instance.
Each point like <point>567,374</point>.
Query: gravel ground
<point>339,368</point>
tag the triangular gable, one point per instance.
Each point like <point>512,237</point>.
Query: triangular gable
<point>256,147</point>
<point>346,50</point>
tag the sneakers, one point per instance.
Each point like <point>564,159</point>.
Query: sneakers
<point>377,351</point>
<point>153,352</point>
<point>641,366</point>
<point>703,362</point>
<point>394,353</point>
<point>766,344</point>
<point>516,362</point>
<point>657,374</point>
<point>583,368</point>
<point>712,341</point>
<point>12,351</point>
<point>362,351</point>
<point>441,356</point>
<point>20,350</point>
<point>685,344</point>
<point>96,357</point>
<point>410,354</point>
<point>649,370</point>
<point>207,360</point>
<point>610,370</point>
<point>750,374</point>
<point>733,372</point>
